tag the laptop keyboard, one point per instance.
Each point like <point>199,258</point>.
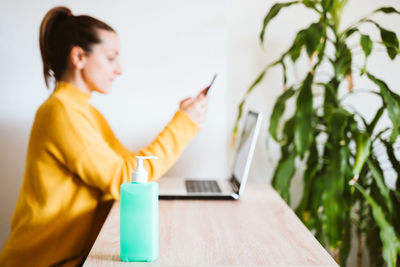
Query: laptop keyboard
<point>197,186</point>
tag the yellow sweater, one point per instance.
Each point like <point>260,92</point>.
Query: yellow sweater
<point>73,161</point>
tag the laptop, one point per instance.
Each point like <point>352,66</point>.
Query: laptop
<point>231,188</point>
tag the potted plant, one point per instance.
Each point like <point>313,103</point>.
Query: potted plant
<point>343,181</point>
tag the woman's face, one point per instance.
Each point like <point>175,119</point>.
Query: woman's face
<point>102,65</point>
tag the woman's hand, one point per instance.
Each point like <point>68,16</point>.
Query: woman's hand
<point>195,108</point>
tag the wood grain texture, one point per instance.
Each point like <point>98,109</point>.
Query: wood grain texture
<point>257,230</point>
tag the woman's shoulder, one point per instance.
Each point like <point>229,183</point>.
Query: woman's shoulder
<point>55,110</point>
<point>50,118</point>
<point>57,117</point>
<point>52,105</point>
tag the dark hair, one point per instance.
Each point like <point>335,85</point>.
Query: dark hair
<point>60,31</point>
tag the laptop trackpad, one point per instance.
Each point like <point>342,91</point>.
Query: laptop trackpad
<point>201,186</point>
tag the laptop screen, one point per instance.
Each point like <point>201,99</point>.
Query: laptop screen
<point>244,152</point>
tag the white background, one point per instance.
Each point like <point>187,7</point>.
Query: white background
<point>169,50</point>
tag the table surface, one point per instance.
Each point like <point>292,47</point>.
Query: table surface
<point>257,230</point>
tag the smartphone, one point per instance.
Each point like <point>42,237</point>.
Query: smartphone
<point>211,83</point>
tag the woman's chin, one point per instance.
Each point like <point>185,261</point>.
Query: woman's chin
<point>103,90</point>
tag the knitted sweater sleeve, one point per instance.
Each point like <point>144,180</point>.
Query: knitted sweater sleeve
<point>88,153</point>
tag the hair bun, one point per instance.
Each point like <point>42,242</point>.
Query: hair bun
<point>54,18</point>
<point>61,13</point>
<point>51,23</point>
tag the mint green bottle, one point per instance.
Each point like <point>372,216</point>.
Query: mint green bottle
<point>139,217</point>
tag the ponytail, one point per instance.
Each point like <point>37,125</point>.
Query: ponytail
<point>60,31</point>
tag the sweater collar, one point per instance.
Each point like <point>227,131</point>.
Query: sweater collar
<point>72,92</point>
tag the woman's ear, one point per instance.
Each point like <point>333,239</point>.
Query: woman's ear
<point>78,57</point>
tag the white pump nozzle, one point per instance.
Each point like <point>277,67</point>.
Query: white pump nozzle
<point>139,175</point>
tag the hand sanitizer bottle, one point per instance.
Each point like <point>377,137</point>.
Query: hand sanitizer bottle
<point>139,216</point>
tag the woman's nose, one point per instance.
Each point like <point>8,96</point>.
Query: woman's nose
<point>118,69</point>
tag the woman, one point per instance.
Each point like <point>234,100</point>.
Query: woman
<point>74,161</point>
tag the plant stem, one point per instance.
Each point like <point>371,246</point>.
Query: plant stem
<point>356,91</point>
<point>360,250</point>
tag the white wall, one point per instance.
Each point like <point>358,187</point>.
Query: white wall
<point>170,49</point>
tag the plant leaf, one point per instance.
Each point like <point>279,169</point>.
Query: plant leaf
<point>309,3</point>
<point>387,10</point>
<point>392,157</point>
<point>313,37</point>
<point>288,130</point>
<point>378,115</point>
<point>303,210</point>
<point>336,208</point>
<point>394,161</point>
<point>321,52</point>
<point>390,241</point>
<point>363,150</point>
<point>366,44</point>
<point>395,216</point>
<point>389,40</point>
<point>278,111</point>
<point>380,182</point>
<point>257,81</point>
<point>337,120</point>
<point>284,172</point>
<point>348,32</point>
<point>303,134</point>
<point>343,61</point>
<point>284,74</point>
<point>295,49</point>
<point>326,5</point>
<point>374,190</point>
<point>330,96</point>
<point>275,9</point>
<point>393,106</point>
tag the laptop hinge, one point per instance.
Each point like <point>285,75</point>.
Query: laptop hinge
<point>235,184</point>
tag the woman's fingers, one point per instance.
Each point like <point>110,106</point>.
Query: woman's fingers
<point>185,102</point>
<point>203,92</point>
<point>195,108</point>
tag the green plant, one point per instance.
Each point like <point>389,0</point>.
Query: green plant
<point>343,181</point>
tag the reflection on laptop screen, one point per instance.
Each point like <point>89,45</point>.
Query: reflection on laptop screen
<point>247,142</point>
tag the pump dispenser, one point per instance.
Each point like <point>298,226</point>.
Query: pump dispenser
<point>139,216</point>
<point>140,175</point>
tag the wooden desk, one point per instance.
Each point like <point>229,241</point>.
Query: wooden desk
<point>257,230</point>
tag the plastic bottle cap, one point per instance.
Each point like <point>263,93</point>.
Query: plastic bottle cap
<point>139,175</point>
